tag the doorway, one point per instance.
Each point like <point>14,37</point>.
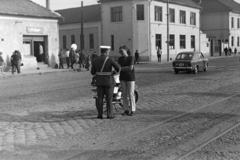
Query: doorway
<point>39,46</point>
<point>33,43</point>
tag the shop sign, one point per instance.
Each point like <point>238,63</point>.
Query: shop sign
<point>34,30</point>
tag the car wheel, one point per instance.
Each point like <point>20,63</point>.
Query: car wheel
<point>195,71</point>
<point>176,71</point>
<point>206,67</point>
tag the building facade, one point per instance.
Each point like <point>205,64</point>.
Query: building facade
<point>139,24</point>
<point>25,29</point>
<point>220,20</point>
<point>70,28</point>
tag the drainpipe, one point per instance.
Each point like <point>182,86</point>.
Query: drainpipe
<point>149,31</point>
<point>168,31</point>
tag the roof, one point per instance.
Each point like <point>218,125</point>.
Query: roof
<point>91,13</point>
<point>188,3</point>
<point>25,8</point>
<point>210,6</point>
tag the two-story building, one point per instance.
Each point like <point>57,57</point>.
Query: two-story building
<point>24,26</point>
<point>139,24</point>
<point>220,20</point>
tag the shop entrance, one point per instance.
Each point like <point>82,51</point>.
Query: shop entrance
<point>36,45</point>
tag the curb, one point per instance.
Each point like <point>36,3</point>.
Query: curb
<point>34,72</point>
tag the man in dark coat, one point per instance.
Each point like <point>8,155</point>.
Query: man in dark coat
<point>102,90</point>
<point>16,61</point>
<point>136,57</point>
<point>226,51</point>
<point>72,57</point>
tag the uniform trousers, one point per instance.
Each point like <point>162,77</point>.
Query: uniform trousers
<point>108,92</point>
<point>128,88</point>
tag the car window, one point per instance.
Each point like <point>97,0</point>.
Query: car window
<point>200,56</point>
<point>184,56</point>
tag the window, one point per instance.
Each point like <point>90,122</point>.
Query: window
<point>112,42</point>
<point>238,23</point>
<point>158,13</point>
<point>183,17</point>
<point>159,41</point>
<point>172,15</point>
<point>193,18</point>
<point>91,41</point>
<point>193,42</point>
<point>64,42</point>
<point>140,12</point>
<point>238,43</point>
<point>116,14</point>
<point>232,41</point>
<point>232,22</point>
<point>182,41</point>
<point>172,41</point>
<point>72,39</point>
<point>82,41</point>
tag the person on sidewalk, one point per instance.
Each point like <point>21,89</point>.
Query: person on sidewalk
<point>235,51</point>
<point>1,63</point>
<point>60,56</point>
<point>230,51</point>
<point>16,60</point>
<point>136,57</point>
<point>67,57</point>
<point>226,51</point>
<point>159,54</point>
<point>41,53</point>
<point>72,57</point>
<point>103,90</point>
<point>127,80</point>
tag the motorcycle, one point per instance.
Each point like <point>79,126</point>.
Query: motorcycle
<point>117,94</point>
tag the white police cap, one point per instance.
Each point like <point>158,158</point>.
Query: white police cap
<point>105,47</point>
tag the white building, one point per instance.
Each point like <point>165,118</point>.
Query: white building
<point>220,20</point>
<point>24,25</point>
<point>141,25</point>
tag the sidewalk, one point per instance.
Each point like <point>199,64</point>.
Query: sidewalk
<point>27,72</point>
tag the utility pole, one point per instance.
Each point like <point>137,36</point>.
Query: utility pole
<point>168,30</point>
<point>81,43</point>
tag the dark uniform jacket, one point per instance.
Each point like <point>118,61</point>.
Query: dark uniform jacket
<point>98,63</point>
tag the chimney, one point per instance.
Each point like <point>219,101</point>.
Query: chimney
<point>48,4</point>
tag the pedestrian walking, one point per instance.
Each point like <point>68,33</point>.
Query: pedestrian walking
<point>88,62</point>
<point>226,51</point>
<point>77,55</point>
<point>82,60</point>
<point>1,63</point>
<point>99,66</point>
<point>230,51</point>
<point>60,56</point>
<point>127,80</point>
<point>235,51</point>
<point>72,57</point>
<point>159,54</point>
<point>16,61</point>
<point>136,57</point>
<point>67,57</point>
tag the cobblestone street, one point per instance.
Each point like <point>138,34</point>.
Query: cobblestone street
<point>52,116</point>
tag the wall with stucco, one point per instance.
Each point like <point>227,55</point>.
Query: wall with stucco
<point>13,29</point>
